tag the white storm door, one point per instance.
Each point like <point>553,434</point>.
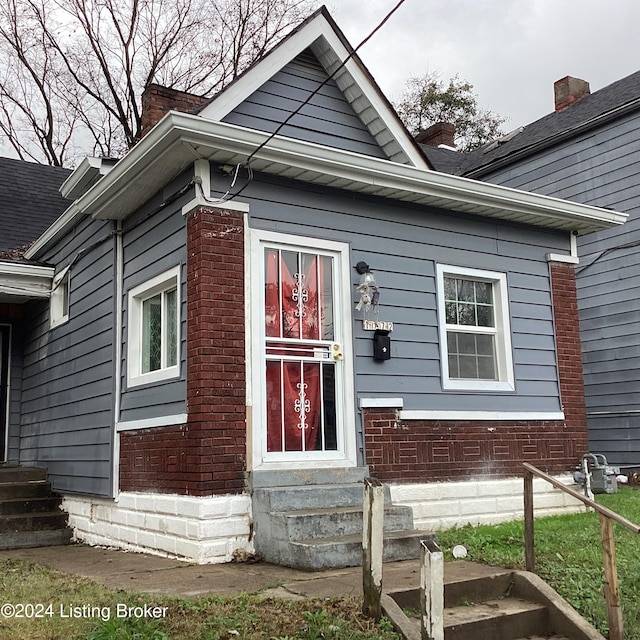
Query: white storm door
<point>306,389</point>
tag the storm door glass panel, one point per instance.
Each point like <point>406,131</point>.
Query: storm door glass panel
<point>300,369</point>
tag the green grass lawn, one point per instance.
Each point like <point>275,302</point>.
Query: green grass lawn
<point>62,616</point>
<point>568,556</point>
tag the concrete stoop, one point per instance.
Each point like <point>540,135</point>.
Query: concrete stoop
<point>315,522</point>
<point>493,604</point>
<point>30,514</point>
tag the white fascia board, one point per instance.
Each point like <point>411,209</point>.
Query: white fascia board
<point>17,269</point>
<point>25,281</point>
<point>258,74</point>
<point>179,139</point>
<point>375,176</point>
<point>79,174</point>
<point>374,97</point>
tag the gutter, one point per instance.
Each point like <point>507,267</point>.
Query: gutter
<point>179,139</point>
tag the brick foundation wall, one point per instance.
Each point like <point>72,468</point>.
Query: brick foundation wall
<point>429,451</point>
<point>207,456</point>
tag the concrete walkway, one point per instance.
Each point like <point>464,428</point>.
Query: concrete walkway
<point>151,574</point>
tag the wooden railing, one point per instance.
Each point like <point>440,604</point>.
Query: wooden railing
<point>607,517</point>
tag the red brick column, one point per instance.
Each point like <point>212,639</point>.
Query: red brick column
<point>565,309</point>
<point>216,372</point>
<point>437,450</point>
<point>207,456</point>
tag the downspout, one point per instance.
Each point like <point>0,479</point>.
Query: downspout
<point>117,369</point>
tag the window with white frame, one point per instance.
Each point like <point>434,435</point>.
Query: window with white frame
<point>475,335</point>
<point>59,302</point>
<point>154,329</point>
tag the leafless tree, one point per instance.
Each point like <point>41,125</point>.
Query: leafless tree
<point>72,71</point>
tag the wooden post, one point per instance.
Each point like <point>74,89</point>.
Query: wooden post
<point>431,591</point>
<point>529,550</point>
<point>373,524</point>
<point>611,589</point>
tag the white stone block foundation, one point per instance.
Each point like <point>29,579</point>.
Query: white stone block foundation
<point>442,505</point>
<point>204,530</point>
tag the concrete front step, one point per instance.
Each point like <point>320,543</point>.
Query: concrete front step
<point>33,521</point>
<point>496,619</point>
<point>30,514</point>
<point>43,538</point>
<point>21,474</point>
<point>335,552</point>
<point>490,603</point>
<point>335,521</point>
<point>29,489</point>
<point>16,506</point>
<point>279,499</point>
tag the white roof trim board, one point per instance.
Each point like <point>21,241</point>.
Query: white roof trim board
<point>22,282</point>
<point>178,139</point>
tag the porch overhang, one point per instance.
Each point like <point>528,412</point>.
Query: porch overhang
<point>20,282</point>
<point>179,139</point>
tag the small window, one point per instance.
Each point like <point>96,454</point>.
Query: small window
<point>475,335</point>
<point>154,336</point>
<point>59,303</point>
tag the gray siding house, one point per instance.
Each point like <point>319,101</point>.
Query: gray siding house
<point>273,295</point>
<point>588,150</point>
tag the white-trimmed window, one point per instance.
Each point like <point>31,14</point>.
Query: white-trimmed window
<point>154,329</point>
<point>59,303</point>
<point>475,335</point>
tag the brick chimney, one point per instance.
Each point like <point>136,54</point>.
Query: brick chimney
<point>569,90</point>
<point>438,134</point>
<point>158,100</point>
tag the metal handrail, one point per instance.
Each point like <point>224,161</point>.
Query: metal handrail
<point>607,517</point>
<point>578,496</point>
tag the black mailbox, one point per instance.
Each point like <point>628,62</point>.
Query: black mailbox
<point>381,345</point>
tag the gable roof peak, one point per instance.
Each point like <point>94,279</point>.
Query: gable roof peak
<point>320,34</point>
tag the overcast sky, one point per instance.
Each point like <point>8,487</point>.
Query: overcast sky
<point>512,51</point>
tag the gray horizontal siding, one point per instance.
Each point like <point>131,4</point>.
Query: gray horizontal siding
<point>326,119</point>
<point>403,244</point>
<point>154,242</point>
<point>601,168</point>
<point>617,436</point>
<point>68,381</point>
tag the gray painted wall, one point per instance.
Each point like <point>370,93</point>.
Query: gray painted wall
<point>67,400</point>
<point>601,168</point>
<point>327,119</point>
<point>403,244</point>
<point>154,241</point>
<point>68,384</point>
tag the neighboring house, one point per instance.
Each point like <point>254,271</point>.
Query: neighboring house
<point>588,151</point>
<point>30,203</point>
<point>213,354</point>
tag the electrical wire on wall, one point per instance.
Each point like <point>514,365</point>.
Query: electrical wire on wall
<point>247,163</point>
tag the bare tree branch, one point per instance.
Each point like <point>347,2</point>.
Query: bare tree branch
<point>72,72</point>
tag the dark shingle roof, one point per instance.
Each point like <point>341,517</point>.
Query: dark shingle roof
<point>444,160</point>
<point>29,201</point>
<point>609,102</point>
